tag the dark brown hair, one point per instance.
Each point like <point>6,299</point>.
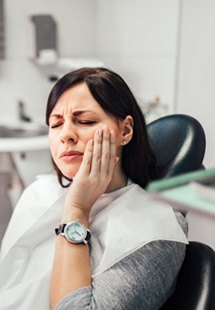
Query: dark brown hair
<point>115,97</point>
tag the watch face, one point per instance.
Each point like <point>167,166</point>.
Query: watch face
<point>75,232</point>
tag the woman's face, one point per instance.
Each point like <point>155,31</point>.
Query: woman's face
<point>72,123</point>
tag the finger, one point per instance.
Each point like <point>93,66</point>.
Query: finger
<point>112,158</point>
<point>97,150</point>
<point>85,166</point>
<point>105,157</point>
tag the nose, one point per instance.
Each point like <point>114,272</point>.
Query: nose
<point>69,134</point>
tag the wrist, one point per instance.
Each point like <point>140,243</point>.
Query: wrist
<point>75,213</point>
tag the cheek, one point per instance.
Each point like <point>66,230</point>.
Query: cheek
<point>84,135</point>
<point>52,145</point>
<point>118,139</point>
<point>118,134</point>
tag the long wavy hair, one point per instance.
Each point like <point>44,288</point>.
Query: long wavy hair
<point>115,98</point>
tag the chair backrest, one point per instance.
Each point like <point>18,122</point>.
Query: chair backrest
<point>178,142</point>
<point>195,288</point>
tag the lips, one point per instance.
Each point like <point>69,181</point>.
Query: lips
<point>70,155</point>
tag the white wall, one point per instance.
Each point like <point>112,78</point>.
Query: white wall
<point>196,68</point>
<point>19,77</point>
<point>138,39</point>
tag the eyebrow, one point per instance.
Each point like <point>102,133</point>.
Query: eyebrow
<point>76,113</point>
<point>56,115</point>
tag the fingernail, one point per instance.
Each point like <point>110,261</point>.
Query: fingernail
<point>117,159</point>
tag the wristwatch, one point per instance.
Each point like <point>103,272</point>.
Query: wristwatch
<point>74,232</point>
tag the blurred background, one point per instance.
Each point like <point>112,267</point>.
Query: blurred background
<point>165,50</point>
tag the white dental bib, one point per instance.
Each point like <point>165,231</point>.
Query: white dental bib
<point>120,223</point>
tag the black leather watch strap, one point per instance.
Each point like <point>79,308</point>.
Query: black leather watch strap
<point>88,236</point>
<point>60,229</point>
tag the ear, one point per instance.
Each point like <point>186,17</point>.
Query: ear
<point>127,129</point>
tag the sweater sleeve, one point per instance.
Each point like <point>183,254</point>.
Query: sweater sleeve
<point>144,279</point>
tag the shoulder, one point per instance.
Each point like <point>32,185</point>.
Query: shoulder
<point>44,181</point>
<point>44,189</point>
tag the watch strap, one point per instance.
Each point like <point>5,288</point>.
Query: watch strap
<point>60,229</point>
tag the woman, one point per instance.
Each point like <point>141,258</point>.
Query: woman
<point>115,248</point>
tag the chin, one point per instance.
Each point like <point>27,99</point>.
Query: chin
<point>69,174</point>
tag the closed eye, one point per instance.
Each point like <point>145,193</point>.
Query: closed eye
<point>76,121</point>
<point>56,125</point>
<point>85,122</point>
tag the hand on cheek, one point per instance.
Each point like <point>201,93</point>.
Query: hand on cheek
<point>95,172</point>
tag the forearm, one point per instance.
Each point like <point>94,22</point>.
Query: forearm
<point>71,269</point>
<point>71,266</point>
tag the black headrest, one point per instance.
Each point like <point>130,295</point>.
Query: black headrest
<point>178,142</point>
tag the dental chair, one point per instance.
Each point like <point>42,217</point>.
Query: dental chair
<point>178,142</point>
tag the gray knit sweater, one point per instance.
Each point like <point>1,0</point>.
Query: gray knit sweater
<point>143,280</point>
